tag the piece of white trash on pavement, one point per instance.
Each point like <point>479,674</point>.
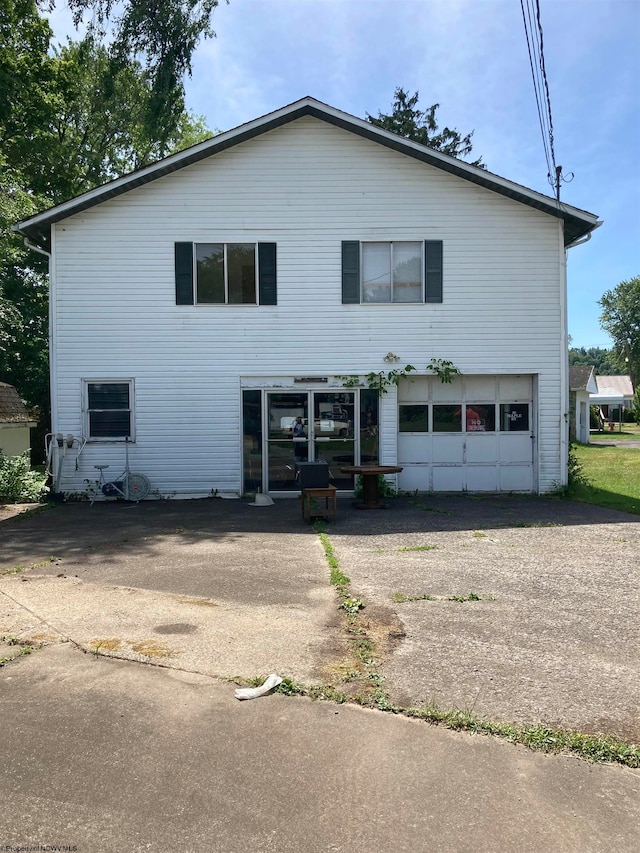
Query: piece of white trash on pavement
<point>254,692</point>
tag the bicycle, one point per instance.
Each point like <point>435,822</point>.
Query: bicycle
<point>128,486</point>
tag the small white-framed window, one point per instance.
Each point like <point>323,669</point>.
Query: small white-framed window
<point>108,409</point>
<point>226,273</point>
<point>393,271</point>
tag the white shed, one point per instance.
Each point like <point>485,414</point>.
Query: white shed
<point>15,422</point>
<point>612,393</point>
<point>582,383</point>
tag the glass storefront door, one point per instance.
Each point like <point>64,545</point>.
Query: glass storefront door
<point>287,439</point>
<point>334,434</point>
<point>309,426</point>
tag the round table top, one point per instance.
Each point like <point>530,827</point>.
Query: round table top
<point>371,469</point>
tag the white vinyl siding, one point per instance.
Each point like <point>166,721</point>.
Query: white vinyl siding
<point>114,310</point>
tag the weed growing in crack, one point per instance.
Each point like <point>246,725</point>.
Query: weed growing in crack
<point>25,648</point>
<point>360,668</point>
<point>401,597</point>
<point>352,605</point>
<point>536,737</point>
<point>420,548</point>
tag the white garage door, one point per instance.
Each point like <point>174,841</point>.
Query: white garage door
<point>474,434</point>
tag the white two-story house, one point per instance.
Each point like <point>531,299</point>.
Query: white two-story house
<point>201,305</point>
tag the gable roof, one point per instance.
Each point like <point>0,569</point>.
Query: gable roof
<point>12,409</point>
<point>577,223</point>
<point>581,378</point>
<point>614,387</point>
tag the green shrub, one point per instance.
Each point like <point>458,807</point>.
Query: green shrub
<point>18,483</point>
<point>385,489</point>
<point>576,472</point>
<point>635,406</point>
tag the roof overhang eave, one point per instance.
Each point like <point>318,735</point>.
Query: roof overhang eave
<point>577,224</point>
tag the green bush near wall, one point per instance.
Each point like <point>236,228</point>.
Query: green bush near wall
<point>18,483</point>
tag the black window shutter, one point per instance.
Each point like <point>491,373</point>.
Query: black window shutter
<point>267,286</point>
<point>184,273</point>
<point>433,270</point>
<point>350,272</point>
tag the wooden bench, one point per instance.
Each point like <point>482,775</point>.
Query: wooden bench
<point>312,509</point>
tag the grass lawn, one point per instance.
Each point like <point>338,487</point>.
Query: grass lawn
<point>614,474</point>
<point>629,431</point>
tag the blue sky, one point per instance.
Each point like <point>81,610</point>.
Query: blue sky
<point>470,56</point>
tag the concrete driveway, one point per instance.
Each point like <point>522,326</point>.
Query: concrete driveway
<point>207,590</point>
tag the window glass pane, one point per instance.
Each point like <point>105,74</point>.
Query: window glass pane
<point>447,419</point>
<point>514,417</point>
<point>376,272</point>
<point>414,418</point>
<point>241,273</point>
<point>109,424</point>
<point>407,272</point>
<point>252,440</point>
<point>108,395</point>
<point>369,401</point>
<point>333,415</point>
<point>480,417</point>
<point>210,272</point>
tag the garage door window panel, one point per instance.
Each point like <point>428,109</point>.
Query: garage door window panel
<point>514,417</point>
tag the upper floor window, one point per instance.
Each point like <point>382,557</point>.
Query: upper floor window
<point>109,409</point>
<point>398,271</point>
<point>226,273</point>
<point>392,272</point>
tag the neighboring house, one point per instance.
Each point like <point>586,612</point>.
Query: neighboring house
<point>201,304</point>
<point>612,395</point>
<point>15,422</point>
<point>582,383</point>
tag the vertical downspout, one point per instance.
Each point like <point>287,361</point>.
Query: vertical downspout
<point>564,360</point>
<point>52,373</point>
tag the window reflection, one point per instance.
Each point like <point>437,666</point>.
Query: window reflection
<point>514,417</point>
<point>447,419</point>
<point>252,440</point>
<point>369,438</point>
<point>480,417</point>
<point>414,418</point>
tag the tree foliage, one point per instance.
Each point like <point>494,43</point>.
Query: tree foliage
<point>621,319</point>
<point>421,126</point>
<point>599,357</point>
<point>163,35</point>
<point>71,118</point>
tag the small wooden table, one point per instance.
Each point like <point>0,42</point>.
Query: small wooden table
<point>330,509</point>
<point>370,474</point>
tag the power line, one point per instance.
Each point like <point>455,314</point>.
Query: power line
<point>534,64</point>
<point>535,46</point>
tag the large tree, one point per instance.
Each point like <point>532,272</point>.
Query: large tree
<point>407,120</point>
<point>163,35</point>
<point>71,118</point>
<point>621,319</point>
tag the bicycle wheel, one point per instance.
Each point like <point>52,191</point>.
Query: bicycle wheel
<point>136,487</point>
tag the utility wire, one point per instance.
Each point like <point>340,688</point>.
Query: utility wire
<point>535,48</point>
<point>546,84</point>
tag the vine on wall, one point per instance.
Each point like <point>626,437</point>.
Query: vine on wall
<point>381,381</point>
